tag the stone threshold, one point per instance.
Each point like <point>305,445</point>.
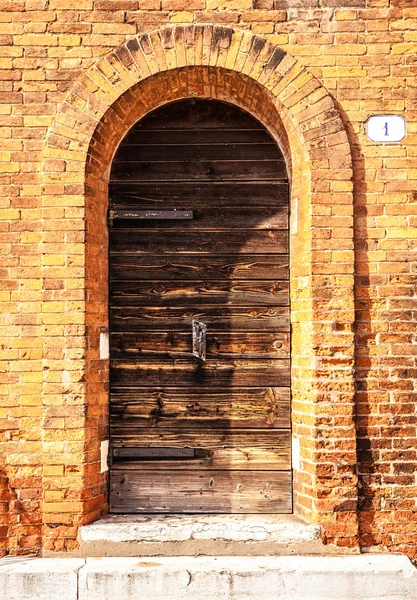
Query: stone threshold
<point>197,535</point>
<point>362,577</point>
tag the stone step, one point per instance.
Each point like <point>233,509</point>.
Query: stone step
<point>208,535</point>
<point>360,577</point>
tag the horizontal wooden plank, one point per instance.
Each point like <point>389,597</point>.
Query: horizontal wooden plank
<point>188,372</point>
<point>203,194</point>
<point>245,458</point>
<point>180,170</point>
<point>200,492</point>
<point>179,345</point>
<point>192,409</point>
<point>250,217</point>
<point>197,114</point>
<point>199,137</point>
<point>158,151</point>
<point>210,439</point>
<point>138,241</point>
<point>192,267</point>
<point>217,318</point>
<point>235,450</point>
<point>177,293</point>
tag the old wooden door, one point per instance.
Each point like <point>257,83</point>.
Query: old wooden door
<point>199,231</point>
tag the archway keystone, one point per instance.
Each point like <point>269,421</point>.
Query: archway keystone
<point>116,91</point>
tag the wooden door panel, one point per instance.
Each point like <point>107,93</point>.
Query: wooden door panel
<point>193,492</point>
<point>188,408</point>
<point>192,267</point>
<point>199,152</point>
<point>214,449</point>
<point>180,170</point>
<point>245,458</point>
<point>220,218</point>
<point>200,194</point>
<point>176,293</point>
<point>174,344</point>
<point>193,436</point>
<point>139,241</point>
<point>140,137</point>
<point>212,373</point>
<point>166,318</point>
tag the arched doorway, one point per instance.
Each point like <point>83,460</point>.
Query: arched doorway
<point>299,111</point>
<point>199,205</point>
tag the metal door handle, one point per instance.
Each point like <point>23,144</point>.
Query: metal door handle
<point>199,339</point>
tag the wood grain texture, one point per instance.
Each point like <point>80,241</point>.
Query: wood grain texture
<point>191,267</point>
<point>179,345</point>
<point>144,241</point>
<point>214,449</point>
<point>195,137</point>
<point>158,151</point>
<point>169,491</point>
<point>201,194</point>
<point>217,318</point>
<point>223,218</point>
<point>177,293</point>
<point>188,409</point>
<point>227,267</point>
<point>189,372</point>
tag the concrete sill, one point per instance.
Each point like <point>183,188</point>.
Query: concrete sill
<point>219,535</point>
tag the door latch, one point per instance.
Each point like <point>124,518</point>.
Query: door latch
<point>199,339</point>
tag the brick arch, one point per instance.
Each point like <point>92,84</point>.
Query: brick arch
<point>236,66</point>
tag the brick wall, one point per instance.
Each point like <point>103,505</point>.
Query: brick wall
<point>356,203</point>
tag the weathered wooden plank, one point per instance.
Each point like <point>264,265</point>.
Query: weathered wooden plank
<point>245,458</point>
<point>198,114</point>
<point>174,344</point>
<point>176,293</point>
<point>158,151</point>
<point>217,317</point>
<point>203,194</point>
<point>200,492</point>
<point>192,267</point>
<point>212,218</point>
<point>189,372</point>
<point>223,449</point>
<point>138,241</point>
<point>209,439</point>
<point>189,409</point>
<point>210,169</point>
<point>197,137</point>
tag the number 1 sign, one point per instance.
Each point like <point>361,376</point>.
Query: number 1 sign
<point>386,128</point>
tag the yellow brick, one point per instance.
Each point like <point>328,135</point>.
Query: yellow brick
<point>7,214</point>
<point>404,48</point>
<point>71,4</point>
<point>279,39</point>
<point>51,260</point>
<point>53,471</point>
<point>6,63</point>
<point>111,28</point>
<point>36,39</point>
<point>38,121</point>
<point>54,307</point>
<point>410,232</point>
<point>182,17</point>
<point>62,507</point>
<point>32,377</point>
<point>229,4</point>
<point>70,40</point>
<point>52,495</point>
<point>344,72</point>
<point>345,15</point>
